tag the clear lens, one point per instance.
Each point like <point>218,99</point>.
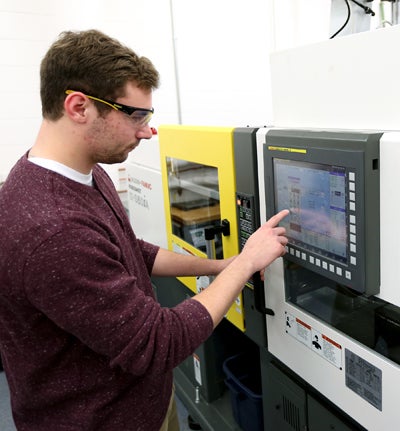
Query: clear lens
<point>141,117</point>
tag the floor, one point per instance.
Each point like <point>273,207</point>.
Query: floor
<point>7,423</point>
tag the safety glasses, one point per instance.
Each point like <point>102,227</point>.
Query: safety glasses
<point>140,116</point>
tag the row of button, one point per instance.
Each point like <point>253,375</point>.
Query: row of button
<point>352,218</point>
<point>320,263</point>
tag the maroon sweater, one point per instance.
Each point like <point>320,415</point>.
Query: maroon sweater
<point>84,343</point>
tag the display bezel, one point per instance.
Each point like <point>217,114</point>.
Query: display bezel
<point>357,154</point>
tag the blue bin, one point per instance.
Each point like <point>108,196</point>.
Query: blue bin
<point>243,379</point>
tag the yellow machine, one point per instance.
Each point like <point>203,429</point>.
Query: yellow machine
<point>197,166</point>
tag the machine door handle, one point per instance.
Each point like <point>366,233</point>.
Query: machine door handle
<point>209,235</point>
<point>224,228</point>
<point>259,296</point>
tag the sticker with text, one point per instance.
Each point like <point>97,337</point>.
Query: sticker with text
<point>318,342</point>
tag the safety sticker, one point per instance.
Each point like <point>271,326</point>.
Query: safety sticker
<point>202,282</point>
<point>179,249</point>
<point>318,342</point>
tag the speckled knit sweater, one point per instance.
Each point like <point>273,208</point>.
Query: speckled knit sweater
<point>84,343</point>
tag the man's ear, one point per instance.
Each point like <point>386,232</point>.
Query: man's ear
<point>76,106</point>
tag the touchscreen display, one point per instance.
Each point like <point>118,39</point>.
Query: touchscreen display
<point>316,196</point>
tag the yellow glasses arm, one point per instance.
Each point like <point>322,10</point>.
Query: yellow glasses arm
<point>94,98</point>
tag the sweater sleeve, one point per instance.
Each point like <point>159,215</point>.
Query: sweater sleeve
<point>76,278</point>
<point>149,253</point>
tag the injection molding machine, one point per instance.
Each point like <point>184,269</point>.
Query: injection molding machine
<point>335,296</point>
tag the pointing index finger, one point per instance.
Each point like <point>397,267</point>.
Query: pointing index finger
<point>275,219</point>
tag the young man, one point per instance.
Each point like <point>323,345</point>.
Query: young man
<point>85,345</point>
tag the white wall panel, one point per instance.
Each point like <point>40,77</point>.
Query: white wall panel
<point>300,22</point>
<point>223,61</point>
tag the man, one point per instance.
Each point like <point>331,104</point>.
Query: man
<point>85,345</point>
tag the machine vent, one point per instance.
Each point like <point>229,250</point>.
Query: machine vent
<point>291,413</point>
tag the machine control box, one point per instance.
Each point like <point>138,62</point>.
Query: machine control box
<point>247,221</point>
<point>246,217</point>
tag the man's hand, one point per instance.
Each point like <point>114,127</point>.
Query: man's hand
<point>266,243</point>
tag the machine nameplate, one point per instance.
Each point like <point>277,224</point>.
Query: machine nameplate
<point>287,149</point>
<point>316,341</point>
<point>364,379</point>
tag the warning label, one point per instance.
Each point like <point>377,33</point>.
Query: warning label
<point>316,341</point>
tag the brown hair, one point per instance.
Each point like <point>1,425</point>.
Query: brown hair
<point>94,63</point>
